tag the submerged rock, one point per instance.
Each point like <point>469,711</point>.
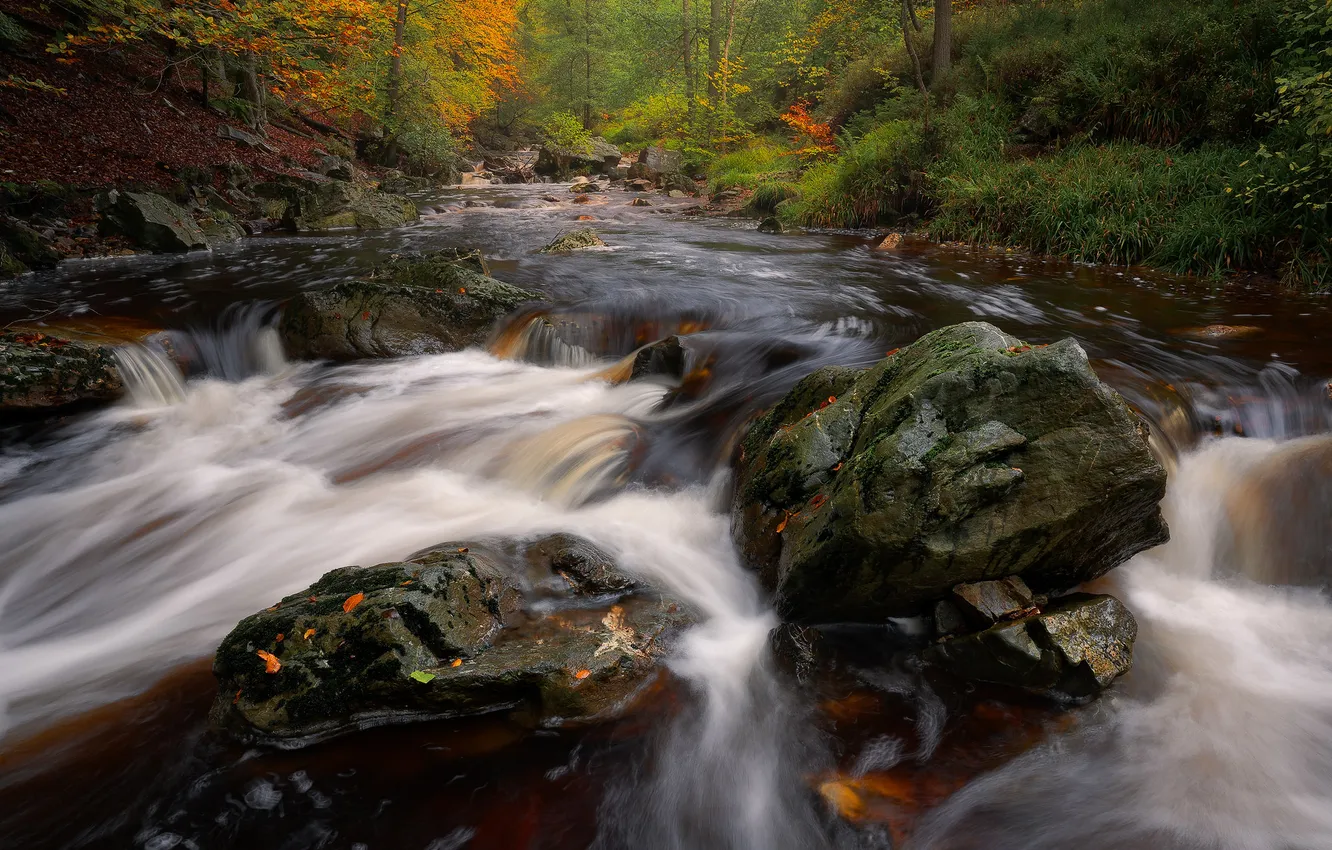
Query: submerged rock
<point>40,372</point>
<point>572,241</point>
<point>428,304</point>
<point>445,634</point>
<point>966,456</point>
<point>149,221</point>
<point>771,224</point>
<point>1072,650</point>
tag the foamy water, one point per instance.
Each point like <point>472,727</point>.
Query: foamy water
<point>1221,737</point>
<point>140,538</point>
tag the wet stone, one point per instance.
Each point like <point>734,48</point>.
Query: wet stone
<point>987,602</point>
<point>39,372</point>
<point>446,633</point>
<point>1071,651</point>
<point>967,456</point>
<point>574,240</point>
<point>426,304</point>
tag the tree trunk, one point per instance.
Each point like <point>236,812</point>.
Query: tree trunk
<point>688,54</point>
<point>252,90</point>
<point>587,57</point>
<point>395,59</point>
<point>908,13</point>
<point>716,18</point>
<point>943,39</point>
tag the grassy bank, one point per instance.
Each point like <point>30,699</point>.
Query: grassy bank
<point>1191,135</point>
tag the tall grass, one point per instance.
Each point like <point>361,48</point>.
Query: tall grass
<point>747,167</point>
<point>1118,203</point>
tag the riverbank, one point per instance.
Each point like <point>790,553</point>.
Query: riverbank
<point>1113,131</point>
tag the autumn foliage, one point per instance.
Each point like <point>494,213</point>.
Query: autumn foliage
<point>812,136</point>
<point>335,57</point>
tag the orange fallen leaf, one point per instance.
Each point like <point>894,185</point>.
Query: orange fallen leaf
<point>582,674</point>
<point>891,353</point>
<point>405,583</point>
<point>365,314</point>
<point>271,663</point>
<point>352,601</point>
<point>311,599</point>
<point>817,501</point>
<point>457,662</point>
<point>308,633</point>
<point>236,698</point>
<point>463,550</point>
<point>838,467</point>
<point>280,637</point>
<point>462,290</point>
<point>274,608</point>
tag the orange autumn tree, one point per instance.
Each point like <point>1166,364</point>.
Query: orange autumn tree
<point>418,69</point>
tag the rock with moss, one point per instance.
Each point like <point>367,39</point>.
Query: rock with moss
<point>411,305</point>
<point>966,456</point>
<point>41,373</point>
<point>219,226</point>
<point>149,221</point>
<point>1071,650</point>
<point>574,240</point>
<point>461,629</point>
<point>309,201</point>
<point>22,248</point>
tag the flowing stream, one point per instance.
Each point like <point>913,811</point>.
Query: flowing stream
<point>135,537</point>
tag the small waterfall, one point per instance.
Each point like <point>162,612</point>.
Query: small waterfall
<point>537,339</point>
<point>151,376</point>
<point>239,343</point>
<point>574,462</point>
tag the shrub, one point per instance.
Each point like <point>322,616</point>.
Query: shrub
<point>877,178</point>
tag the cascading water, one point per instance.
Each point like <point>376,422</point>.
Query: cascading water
<point>135,537</point>
<point>1222,736</point>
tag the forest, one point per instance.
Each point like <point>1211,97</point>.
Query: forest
<point>1194,135</point>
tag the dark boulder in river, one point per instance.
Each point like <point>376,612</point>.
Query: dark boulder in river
<point>1072,649</point>
<point>551,629</point>
<point>963,457</point>
<point>428,304</point>
<point>40,372</point>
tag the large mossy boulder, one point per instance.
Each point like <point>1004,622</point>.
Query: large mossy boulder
<point>40,372</point>
<point>428,304</point>
<point>549,629</point>
<point>149,221</point>
<point>966,456</point>
<point>599,157</point>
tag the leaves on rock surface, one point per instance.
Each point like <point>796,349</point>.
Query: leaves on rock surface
<point>352,601</point>
<point>271,662</point>
<point>423,677</point>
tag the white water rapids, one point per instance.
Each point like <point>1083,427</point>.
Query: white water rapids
<point>147,531</point>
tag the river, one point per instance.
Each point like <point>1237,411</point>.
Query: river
<point>135,537</point>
